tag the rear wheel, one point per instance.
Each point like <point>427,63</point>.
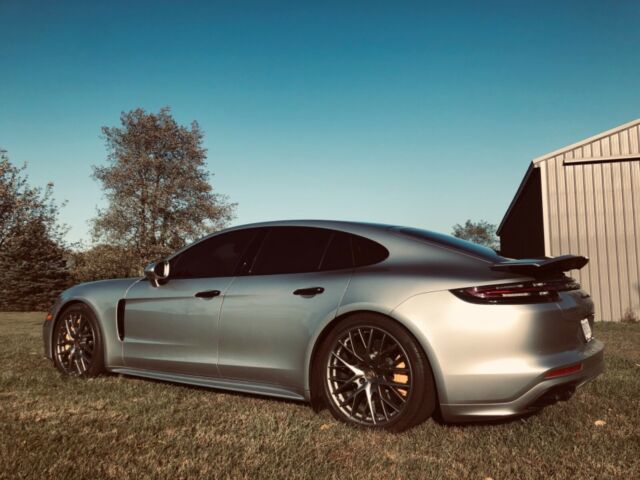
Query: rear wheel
<point>77,343</point>
<point>374,374</point>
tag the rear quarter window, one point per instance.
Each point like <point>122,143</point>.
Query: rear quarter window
<point>367,252</point>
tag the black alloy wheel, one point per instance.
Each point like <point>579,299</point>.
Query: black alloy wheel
<point>374,374</point>
<point>77,344</point>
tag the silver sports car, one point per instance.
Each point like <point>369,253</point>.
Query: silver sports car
<point>381,324</point>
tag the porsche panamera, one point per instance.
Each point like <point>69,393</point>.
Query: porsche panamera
<point>383,325</point>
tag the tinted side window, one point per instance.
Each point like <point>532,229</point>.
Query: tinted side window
<point>217,256</point>
<point>291,250</point>
<point>339,254</point>
<point>367,252</point>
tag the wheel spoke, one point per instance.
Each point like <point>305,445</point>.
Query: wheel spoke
<point>78,365</point>
<point>369,342</point>
<point>346,384</point>
<point>353,347</point>
<point>388,383</point>
<point>384,410</point>
<point>372,407</point>
<point>355,406</point>
<point>384,400</point>
<point>394,369</point>
<point>398,395</point>
<point>353,395</point>
<point>353,368</point>
<point>69,327</point>
<point>351,351</point>
<point>83,365</point>
<point>364,343</point>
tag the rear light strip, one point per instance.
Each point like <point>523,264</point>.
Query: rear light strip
<point>517,293</point>
<point>561,372</point>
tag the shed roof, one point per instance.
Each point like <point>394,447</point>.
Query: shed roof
<point>623,143</point>
<point>618,144</point>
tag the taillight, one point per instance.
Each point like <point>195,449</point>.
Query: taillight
<point>521,292</point>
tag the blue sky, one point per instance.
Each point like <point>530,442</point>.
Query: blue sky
<point>422,114</point>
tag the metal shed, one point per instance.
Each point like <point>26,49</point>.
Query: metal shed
<point>585,199</point>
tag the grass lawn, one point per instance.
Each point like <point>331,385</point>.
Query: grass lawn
<point>121,427</point>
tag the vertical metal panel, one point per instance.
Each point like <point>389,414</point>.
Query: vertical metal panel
<point>624,142</point>
<point>561,199</point>
<point>573,237</point>
<point>635,213</point>
<point>552,192</point>
<point>619,263</point>
<point>582,247</point>
<point>544,188</point>
<point>633,140</point>
<point>590,224</point>
<point>631,223</point>
<point>602,269</point>
<point>593,209</point>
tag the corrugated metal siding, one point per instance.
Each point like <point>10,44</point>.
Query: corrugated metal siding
<point>593,209</point>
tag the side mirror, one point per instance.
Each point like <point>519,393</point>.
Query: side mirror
<point>157,272</point>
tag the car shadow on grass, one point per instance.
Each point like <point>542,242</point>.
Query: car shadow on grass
<point>436,417</point>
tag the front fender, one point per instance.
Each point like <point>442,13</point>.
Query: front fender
<point>102,298</point>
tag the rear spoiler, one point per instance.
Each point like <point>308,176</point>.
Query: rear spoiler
<point>541,266</point>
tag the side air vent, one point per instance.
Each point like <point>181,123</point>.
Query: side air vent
<point>120,319</point>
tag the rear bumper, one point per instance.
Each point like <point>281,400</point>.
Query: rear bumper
<point>541,393</point>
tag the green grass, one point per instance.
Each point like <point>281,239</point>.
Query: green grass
<point>121,427</point>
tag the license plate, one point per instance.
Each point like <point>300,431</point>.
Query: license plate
<point>586,329</point>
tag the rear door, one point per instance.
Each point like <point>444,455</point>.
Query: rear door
<point>296,280</point>
<point>174,327</point>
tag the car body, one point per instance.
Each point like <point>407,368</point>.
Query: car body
<point>254,320</point>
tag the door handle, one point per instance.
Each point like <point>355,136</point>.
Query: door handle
<point>309,291</point>
<point>208,294</point>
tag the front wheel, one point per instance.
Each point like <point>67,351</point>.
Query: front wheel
<point>374,374</point>
<point>77,343</point>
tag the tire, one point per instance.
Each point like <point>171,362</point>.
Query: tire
<point>373,373</point>
<point>77,342</point>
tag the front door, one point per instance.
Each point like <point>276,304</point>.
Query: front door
<point>175,327</point>
<point>171,329</point>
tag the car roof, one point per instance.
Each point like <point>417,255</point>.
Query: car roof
<point>389,235</point>
<point>334,224</point>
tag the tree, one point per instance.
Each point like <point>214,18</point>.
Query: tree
<point>481,232</point>
<point>157,186</point>
<point>103,261</point>
<point>32,248</point>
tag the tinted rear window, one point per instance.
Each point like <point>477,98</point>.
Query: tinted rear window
<point>339,254</point>
<point>291,250</point>
<point>454,243</point>
<point>367,252</point>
